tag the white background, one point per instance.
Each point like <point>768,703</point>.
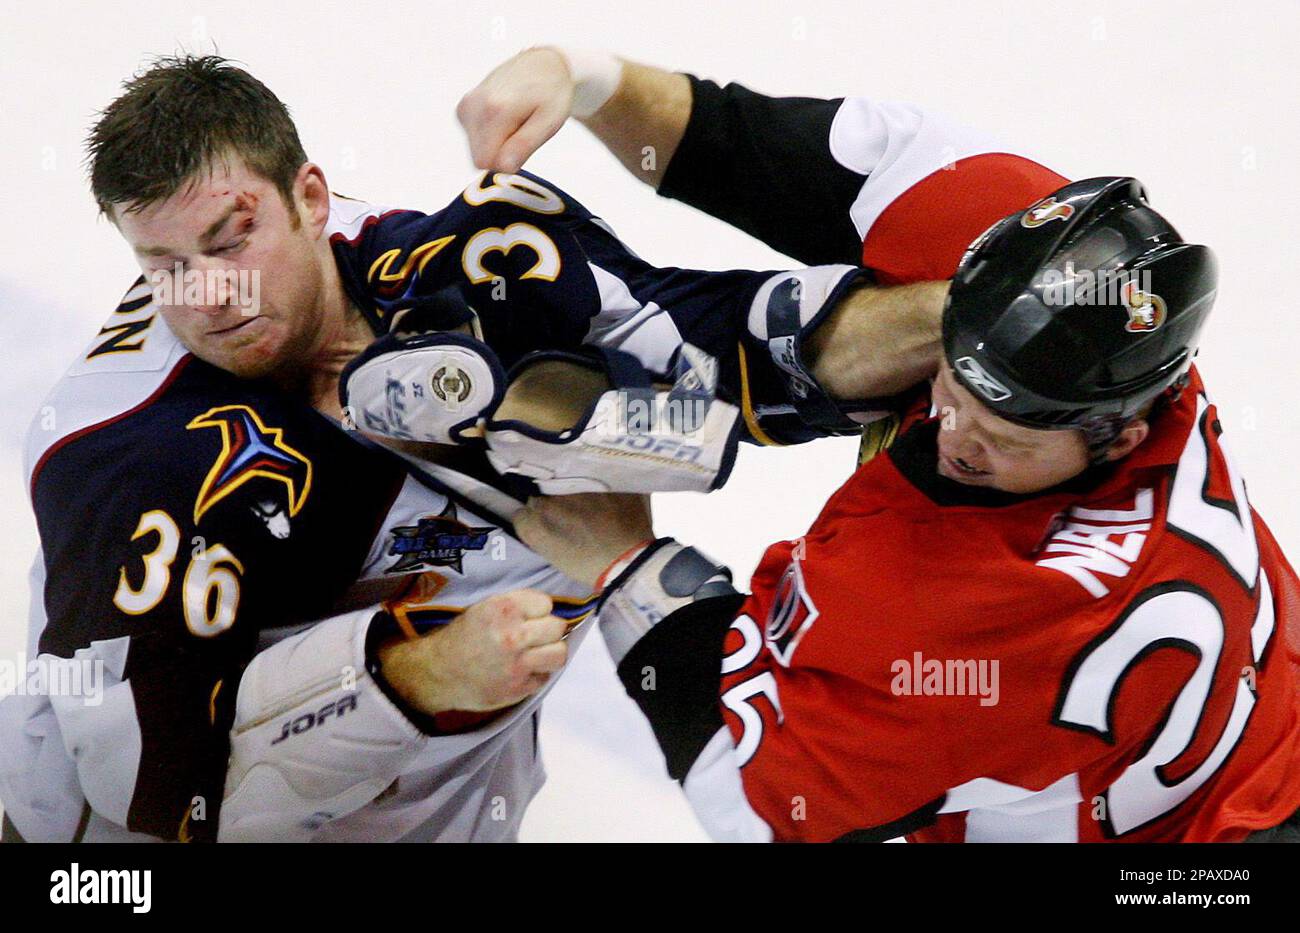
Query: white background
<point>1196,99</point>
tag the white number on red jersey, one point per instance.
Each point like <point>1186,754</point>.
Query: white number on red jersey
<point>1176,614</point>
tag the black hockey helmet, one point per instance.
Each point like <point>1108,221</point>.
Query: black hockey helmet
<point>1079,310</point>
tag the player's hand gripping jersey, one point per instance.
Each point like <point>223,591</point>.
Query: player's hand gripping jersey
<point>1111,661</point>
<point>188,518</point>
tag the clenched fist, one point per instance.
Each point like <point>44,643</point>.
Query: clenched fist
<point>492,656</point>
<point>520,105</point>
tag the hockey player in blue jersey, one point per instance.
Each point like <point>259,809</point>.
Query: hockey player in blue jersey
<point>236,559</point>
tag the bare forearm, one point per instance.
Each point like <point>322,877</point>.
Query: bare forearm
<point>644,121</point>
<point>879,341</point>
<point>409,669</point>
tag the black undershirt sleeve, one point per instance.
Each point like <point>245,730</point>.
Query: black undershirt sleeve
<point>673,674</point>
<point>763,164</point>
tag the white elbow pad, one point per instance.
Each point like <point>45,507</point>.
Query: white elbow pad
<point>427,387</point>
<point>314,737</point>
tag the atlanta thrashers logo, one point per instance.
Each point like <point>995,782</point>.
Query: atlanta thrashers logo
<point>250,450</point>
<point>1146,311</point>
<point>1045,210</point>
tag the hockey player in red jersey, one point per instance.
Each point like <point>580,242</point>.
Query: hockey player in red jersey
<point>1049,613</point>
<point>903,191</point>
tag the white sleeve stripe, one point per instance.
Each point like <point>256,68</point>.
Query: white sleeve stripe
<point>646,331</point>
<point>863,130</point>
<point>898,145</point>
<point>100,726</point>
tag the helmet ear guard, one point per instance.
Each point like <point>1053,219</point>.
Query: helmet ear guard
<point>1100,432</point>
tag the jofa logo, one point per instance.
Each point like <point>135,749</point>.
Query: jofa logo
<point>308,721</point>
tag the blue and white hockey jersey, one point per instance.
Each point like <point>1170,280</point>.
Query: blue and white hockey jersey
<point>189,519</point>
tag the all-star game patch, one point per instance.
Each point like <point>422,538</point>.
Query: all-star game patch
<point>436,541</point>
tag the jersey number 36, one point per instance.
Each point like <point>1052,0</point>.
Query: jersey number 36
<point>209,588</point>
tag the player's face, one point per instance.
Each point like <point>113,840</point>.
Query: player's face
<point>979,448</point>
<point>247,297</point>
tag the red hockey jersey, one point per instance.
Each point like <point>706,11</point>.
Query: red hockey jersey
<point>1104,663</point>
<point>1112,660</point>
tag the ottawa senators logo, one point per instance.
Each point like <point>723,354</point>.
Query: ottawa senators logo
<point>1045,210</point>
<point>1146,311</point>
<point>791,615</point>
